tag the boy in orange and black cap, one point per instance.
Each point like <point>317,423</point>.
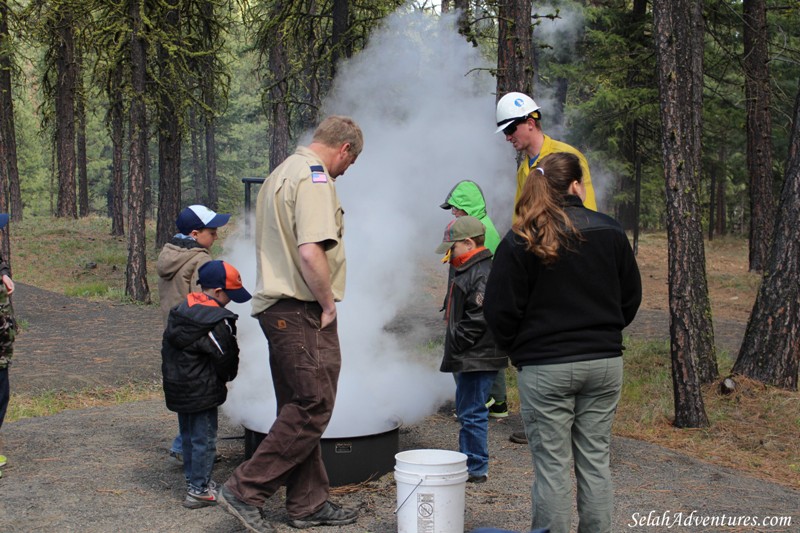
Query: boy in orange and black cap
<point>200,355</point>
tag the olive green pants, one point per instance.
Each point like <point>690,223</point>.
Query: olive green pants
<point>568,410</point>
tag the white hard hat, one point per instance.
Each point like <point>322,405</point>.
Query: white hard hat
<point>513,106</point>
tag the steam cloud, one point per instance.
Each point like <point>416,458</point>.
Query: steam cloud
<point>425,102</point>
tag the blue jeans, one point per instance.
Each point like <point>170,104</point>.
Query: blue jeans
<point>568,410</point>
<point>199,435</point>
<point>472,389</point>
<point>177,444</point>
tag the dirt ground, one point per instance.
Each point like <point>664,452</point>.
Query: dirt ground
<point>105,469</point>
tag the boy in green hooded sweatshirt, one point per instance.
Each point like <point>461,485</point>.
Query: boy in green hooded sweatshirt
<point>466,199</point>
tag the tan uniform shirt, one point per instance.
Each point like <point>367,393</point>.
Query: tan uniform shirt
<point>297,204</point>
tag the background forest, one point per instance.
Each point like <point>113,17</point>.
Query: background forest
<point>214,63</point>
<point>132,109</point>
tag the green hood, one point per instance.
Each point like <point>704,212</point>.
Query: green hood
<point>467,196</point>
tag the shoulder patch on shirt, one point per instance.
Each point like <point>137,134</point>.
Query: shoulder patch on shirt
<point>318,174</point>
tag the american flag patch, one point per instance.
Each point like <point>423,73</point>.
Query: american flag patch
<point>319,177</point>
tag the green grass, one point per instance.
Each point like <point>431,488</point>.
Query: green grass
<point>51,402</point>
<point>91,289</point>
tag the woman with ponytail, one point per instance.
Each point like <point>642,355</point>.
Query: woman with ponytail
<point>564,283</point>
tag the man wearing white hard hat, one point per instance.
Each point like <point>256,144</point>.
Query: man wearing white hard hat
<point>518,118</point>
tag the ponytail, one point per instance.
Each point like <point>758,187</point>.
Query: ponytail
<point>540,218</point>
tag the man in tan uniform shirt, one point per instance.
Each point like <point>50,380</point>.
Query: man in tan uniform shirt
<point>301,276</point>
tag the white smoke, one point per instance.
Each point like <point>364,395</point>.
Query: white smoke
<point>425,102</point>
<point>561,25</point>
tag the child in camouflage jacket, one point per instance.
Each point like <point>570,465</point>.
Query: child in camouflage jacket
<point>8,330</point>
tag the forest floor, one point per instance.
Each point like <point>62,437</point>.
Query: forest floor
<point>100,468</point>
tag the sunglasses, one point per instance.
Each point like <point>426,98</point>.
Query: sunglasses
<point>511,128</point>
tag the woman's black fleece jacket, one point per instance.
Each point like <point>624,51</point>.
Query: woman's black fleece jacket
<point>572,310</point>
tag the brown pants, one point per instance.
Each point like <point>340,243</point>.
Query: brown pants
<point>305,363</point>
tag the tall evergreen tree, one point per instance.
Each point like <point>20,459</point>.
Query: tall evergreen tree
<point>514,48</point>
<point>678,37</point>
<point>62,34</point>
<point>9,173</point>
<point>80,136</point>
<point>136,273</point>
<point>170,122</point>
<point>759,130</point>
<point>770,350</point>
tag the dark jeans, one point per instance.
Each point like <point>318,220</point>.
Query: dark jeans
<point>305,363</point>
<point>4,394</point>
<point>199,441</point>
<point>472,389</point>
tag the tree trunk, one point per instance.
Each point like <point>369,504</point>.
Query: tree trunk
<point>339,45</point>
<point>197,168</point>
<point>117,147</point>
<point>136,273</point>
<point>9,174</point>
<point>712,200</point>
<point>65,113</point>
<point>169,137</point>
<point>691,332</point>
<point>80,137</point>
<point>770,350</point>
<point>211,152</point>
<point>722,209</point>
<point>514,48</point>
<point>759,130</point>
<point>279,109</point>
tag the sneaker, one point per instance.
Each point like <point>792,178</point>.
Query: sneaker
<point>519,437</point>
<point>176,457</point>
<point>329,515</point>
<point>490,402</point>
<point>477,479</point>
<point>249,515</point>
<point>196,500</point>
<point>498,410</point>
<point>3,460</point>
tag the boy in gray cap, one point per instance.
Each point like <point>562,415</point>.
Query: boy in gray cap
<point>469,349</point>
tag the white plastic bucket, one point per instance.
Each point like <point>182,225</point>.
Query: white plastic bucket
<point>430,491</point>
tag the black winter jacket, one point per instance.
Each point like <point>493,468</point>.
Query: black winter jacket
<point>199,354</point>
<point>469,345</point>
<point>572,310</point>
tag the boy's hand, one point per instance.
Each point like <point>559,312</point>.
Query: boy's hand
<point>9,283</point>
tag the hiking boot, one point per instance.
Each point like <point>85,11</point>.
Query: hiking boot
<point>519,437</point>
<point>329,515</point>
<point>248,515</point>
<point>498,410</point>
<point>196,500</point>
<point>477,479</point>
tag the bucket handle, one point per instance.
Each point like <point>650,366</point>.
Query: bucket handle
<point>409,495</point>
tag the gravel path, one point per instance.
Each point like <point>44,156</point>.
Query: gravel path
<point>104,469</point>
